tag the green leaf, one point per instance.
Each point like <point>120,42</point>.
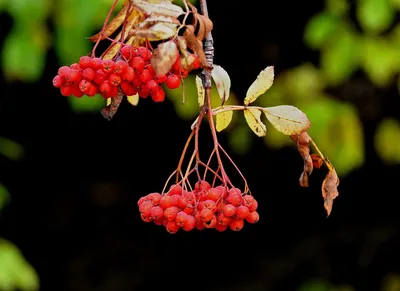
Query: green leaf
<point>4,196</point>
<point>10,149</point>
<point>87,104</point>
<point>375,16</point>
<point>339,59</point>
<point>23,56</point>
<point>337,7</point>
<point>337,130</point>
<point>15,272</point>
<point>395,4</point>
<point>28,11</point>
<point>387,141</point>
<point>319,29</point>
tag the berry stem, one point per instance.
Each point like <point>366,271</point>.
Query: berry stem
<point>178,169</point>
<point>104,28</point>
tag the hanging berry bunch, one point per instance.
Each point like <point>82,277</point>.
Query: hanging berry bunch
<point>158,45</point>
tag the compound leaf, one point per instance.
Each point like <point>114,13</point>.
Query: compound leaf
<point>223,119</point>
<point>253,118</point>
<point>263,82</point>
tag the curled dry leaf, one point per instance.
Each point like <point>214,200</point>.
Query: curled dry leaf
<point>222,82</point>
<point>157,18</point>
<point>114,24</point>
<point>158,31</point>
<point>253,118</point>
<point>303,140</point>
<point>133,99</point>
<point>200,91</point>
<point>329,190</point>
<point>202,23</point>
<point>164,7</point>
<point>164,57</point>
<point>287,119</point>
<point>196,46</point>
<point>223,119</point>
<point>187,62</point>
<point>262,83</point>
<point>317,161</point>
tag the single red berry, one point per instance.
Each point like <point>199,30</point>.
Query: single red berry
<point>189,208</point>
<point>141,200</point>
<point>206,214</point>
<point>120,66</point>
<point>236,224</point>
<point>62,71</point>
<point>162,78</point>
<point>152,85</point>
<point>128,52</point>
<point>85,86</point>
<point>190,223</point>
<point>105,89</point>
<point>223,220</point>
<point>214,194</point>
<point>221,227</point>
<point>209,204</point>
<point>181,202</point>
<point>172,227</point>
<point>107,66</point>
<point>184,73</point>
<point>114,92</point>
<point>146,207</point>
<point>175,189</point>
<point>75,66</point>
<point>229,210</point>
<point>253,217</point>
<point>211,223</point>
<point>145,76</point>
<point>155,198</point>
<point>156,212</point>
<point>242,212</point>
<point>100,77</point>
<point>158,95</point>
<point>202,186</point>
<point>170,213</point>
<point>181,217</point>
<point>166,201</point>
<point>128,74</point>
<point>84,62</point>
<point>145,53</point>
<point>73,76</point>
<point>95,63</point>
<point>66,90</point>
<point>76,91</point>
<point>234,197</point>
<point>173,81</point>
<point>88,74</point>
<point>145,218</point>
<point>143,92</point>
<point>57,81</point>
<point>114,79</point>
<point>190,196</point>
<point>128,88</point>
<point>137,63</point>
<point>92,91</point>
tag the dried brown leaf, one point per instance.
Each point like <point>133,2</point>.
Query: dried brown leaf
<point>317,161</point>
<point>302,140</point>
<point>202,23</point>
<point>164,7</point>
<point>114,24</point>
<point>197,46</point>
<point>164,56</point>
<point>157,18</point>
<point>158,31</point>
<point>329,190</point>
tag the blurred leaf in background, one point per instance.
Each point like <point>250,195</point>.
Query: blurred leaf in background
<point>4,196</point>
<point>11,149</point>
<point>387,141</point>
<point>15,272</point>
<point>322,285</point>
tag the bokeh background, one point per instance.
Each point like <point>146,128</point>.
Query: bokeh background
<point>70,179</point>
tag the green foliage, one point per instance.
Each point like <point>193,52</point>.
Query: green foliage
<point>11,149</point>
<point>15,272</point>
<point>387,141</point>
<point>4,196</point>
<point>375,16</point>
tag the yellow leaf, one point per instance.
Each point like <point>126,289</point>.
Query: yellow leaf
<point>108,100</point>
<point>253,118</point>
<point>223,119</point>
<point>200,91</point>
<point>222,82</point>
<point>133,99</point>
<point>158,31</point>
<point>164,8</point>
<point>260,85</point>
<point>287,119</point>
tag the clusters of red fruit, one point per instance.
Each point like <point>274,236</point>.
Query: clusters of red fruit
<point>131,71</point>
<point>204,207</point>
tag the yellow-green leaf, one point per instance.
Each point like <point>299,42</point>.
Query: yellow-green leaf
<point>387,141</point>
<point>133,99</point>
<point>200,91</point>
<point>375,16</point>
<point>319,28</point>
<point>287,119</point>
<point>222,82</point>
<point>223,119</point>
<point>253,118</point>
<point>263,82</point>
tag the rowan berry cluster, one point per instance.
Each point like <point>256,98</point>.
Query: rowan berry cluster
<point>131,71</point>
<point>204,207</point>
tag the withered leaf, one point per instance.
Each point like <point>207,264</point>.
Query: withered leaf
<point>200,91</point>
<point>253,118</point>
<point>202,23</point>
<point>158,31</point>
<point>287,119</point>
<point>157,18</point>
<point>187,62</point>
<point>196,45</point>
<point>329,190</point>
<point>164,7</point>
<point>317,161</point>
<point>112,26</point>
<point>222,82</point>
<point>302,140</point>
<point>164,56</point>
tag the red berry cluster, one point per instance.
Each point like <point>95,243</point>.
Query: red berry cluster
<point>131,71</point>
<point>204,207</point>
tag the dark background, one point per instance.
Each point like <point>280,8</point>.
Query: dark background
<point>74,215</point>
